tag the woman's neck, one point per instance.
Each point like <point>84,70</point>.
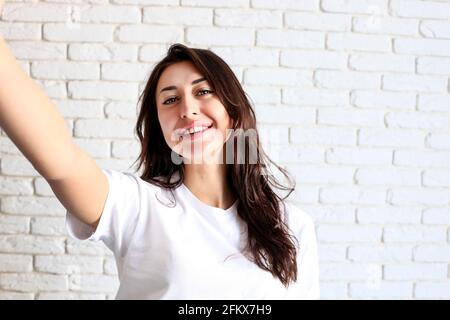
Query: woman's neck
<point>209,184</point>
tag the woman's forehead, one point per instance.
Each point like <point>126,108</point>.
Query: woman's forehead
<point>181,71</point>
<point>177,78</point>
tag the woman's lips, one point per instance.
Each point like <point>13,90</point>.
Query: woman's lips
<point>196,135</point>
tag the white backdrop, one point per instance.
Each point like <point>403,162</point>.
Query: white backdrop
<point>353,93</point>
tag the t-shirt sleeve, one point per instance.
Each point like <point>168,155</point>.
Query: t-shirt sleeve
<point>308,262</point>
<point>119,216</point>
<point>307,285</point>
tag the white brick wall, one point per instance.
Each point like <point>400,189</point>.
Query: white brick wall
<point>357,91</point>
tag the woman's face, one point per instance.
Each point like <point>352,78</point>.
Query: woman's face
<point>184,101</point>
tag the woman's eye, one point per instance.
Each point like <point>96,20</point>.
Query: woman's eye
<point>205,90</point>
<point>170,100</point>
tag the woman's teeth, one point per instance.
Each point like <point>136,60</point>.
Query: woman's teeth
<point>196,129</point>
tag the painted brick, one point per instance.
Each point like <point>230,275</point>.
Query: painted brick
<point>381,62</point>
<point>346,194</point>
<point>285,114</point>
<point>102,52</point>
<point>432,253</point>
<point>149,34</point>
<point>433,65</point>
<point>380,253</point>
<point>65,70</point>
<point>247,56</point>
<point>213,3</point>
<point>311,5</point>
<point>418,196</point>
<point>431,47</point>
<point>65,264</point>
<point>331,214</point>
<point>93,283</point>
<point>420,9</point>
<point>382,25</point>
<point>322,175</point>
<point>415,271</point>
<point>432,290</point>
<point>20,31</point>
<point>32,206</point>
<point>433,102</point>
<point>42,12</point>
<point>16,263</point>
<point>436,216</point>
<point>121,109</point>
<point>314,97</point>
<point>350,271</point>
<point>220,36</point>
<point>313,59</point>
<point>125,71</point>
<point>348,233</point>
<point>323,135</point>
<point>372,99</point>
<point>358,42</point>
<point>54,226</point>
<point>247,18</point>
<point>436,178</point>
<point>414,83</point>
<point>99,90</point>
<point>388,215</point>
<point>350,117</point>
<point>388,177</point>
<point>412,158</point>
<point>355,6</point>
<point>391,137</point>
<point>110,128</point>
<point>176,16</point>
<point>359,156</point>
<point>319,22</point>
<point>381,290</point>
<point>81,32</point>
<point>31,244</point>
<point>416,234</point>
<point>38,50</point>
<point>15,186</point>
<point>435,29</point>
<point>14,224</point>
<point>346,80</point>
<point>106,14</point>
<point>290,39</point>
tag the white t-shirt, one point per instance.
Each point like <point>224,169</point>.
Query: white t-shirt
<point>189,250</point>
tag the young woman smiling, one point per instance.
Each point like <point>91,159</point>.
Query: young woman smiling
<point>183,229</point>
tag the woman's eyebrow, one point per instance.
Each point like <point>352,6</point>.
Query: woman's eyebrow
<point>174,87</point>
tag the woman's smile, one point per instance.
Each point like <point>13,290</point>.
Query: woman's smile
<point>197,133</point>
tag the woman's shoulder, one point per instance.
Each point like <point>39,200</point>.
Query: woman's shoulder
<point>135,177</point>
<point>131,187</point>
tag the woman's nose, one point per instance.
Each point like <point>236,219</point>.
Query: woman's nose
<point>188,107</point>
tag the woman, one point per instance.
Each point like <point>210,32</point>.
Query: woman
<point>198,223</point>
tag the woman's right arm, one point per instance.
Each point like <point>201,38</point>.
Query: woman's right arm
<point>33,123</point>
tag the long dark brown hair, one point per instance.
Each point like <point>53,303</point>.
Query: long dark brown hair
<point>270,243</point>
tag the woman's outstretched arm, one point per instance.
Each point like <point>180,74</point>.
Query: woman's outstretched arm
<point>31,120</point>
<point>33,123</point>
